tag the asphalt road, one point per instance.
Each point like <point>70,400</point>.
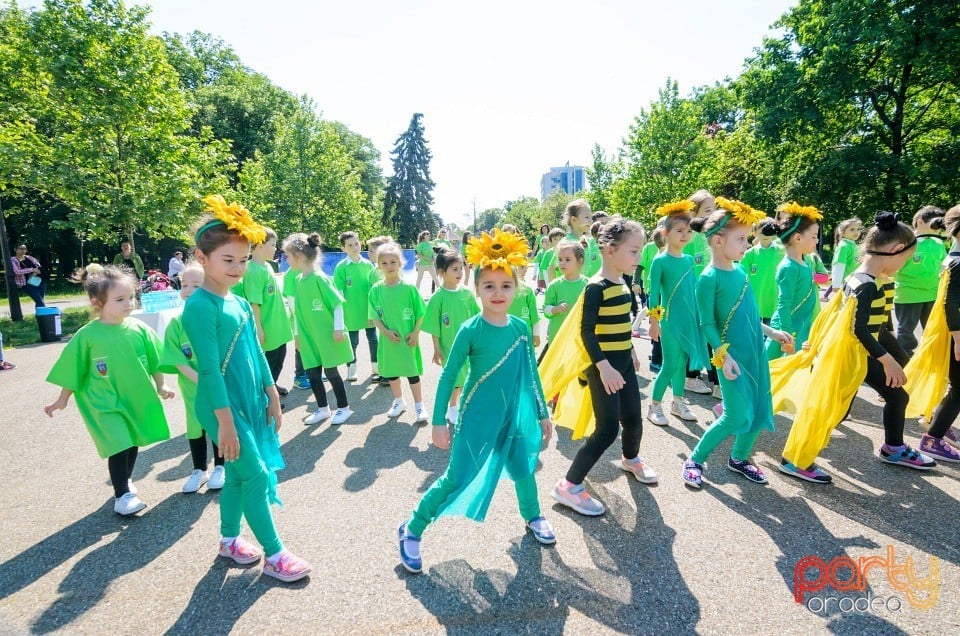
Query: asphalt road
<point>662,560</point>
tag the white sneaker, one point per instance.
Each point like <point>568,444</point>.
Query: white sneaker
<point>398,407</point>
<point>696,385</point>
<point>321,414</point>
<point>341,415</point>
<point>351,373</point>
<point>196,479</point>
<point>452,415</point>
<point>217,477</point>
<point>679,409</point>
<point>132,488</point>
<point>422,415</point>
<point>655,415</point>
<point>716,392</point>
<point>128,504</point>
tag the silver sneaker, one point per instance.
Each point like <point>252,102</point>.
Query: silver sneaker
<point>678,408</point>
<point>655,415</point>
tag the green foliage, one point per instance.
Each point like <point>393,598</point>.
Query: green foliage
<point>601,174</point>
<point>409,193</point>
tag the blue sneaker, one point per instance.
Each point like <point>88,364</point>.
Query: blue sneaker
<point>409,550</point>
<point>301,382</point>
<point>814,474</point>
<point>542,531</point>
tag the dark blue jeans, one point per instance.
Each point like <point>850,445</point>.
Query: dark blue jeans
<point>36,292</point>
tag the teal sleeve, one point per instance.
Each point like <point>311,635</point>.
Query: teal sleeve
<point>448,378</point>
<point>787,286</point>
<point>200,323</point>
<point>706,296</point>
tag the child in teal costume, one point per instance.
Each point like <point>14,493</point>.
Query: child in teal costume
<point>503,422</point>
<point>799,229</point>
<point>731,322</point>
<point>237,401</point>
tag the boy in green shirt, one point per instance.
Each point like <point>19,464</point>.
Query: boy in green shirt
<point>352,278</point>
<point>917,282</point>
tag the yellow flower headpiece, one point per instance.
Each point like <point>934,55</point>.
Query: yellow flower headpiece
<point>795,209</point>
<point>235,217</point>
<point>686,205</point>
<point>742,212</point>
<point>503,250</point>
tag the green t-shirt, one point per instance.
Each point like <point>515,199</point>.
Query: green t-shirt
<point>177,351</point>
<point>549,261</point>
<point>315,303</point>
<point>110,370</point>
<point>561,291</point>
<point>352,278</point>
<point>424,251</point>
<point>524,306</point>
<point>399,307</point>
<point>700,251</point>
<point>849,254</point>
<point>260,288</point>
<point>918,280</point>
<point>760,263</point>
<point>647,254</point>
<point>446,311</point>
<point>592,262</point>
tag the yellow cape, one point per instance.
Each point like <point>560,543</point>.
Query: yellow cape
<point>819,384</point>
<point>929,368</point>
<point>564,362</point>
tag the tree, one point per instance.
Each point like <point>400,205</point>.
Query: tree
<point>523,213</point>
<point>601,174</point>
<point>409,193</point>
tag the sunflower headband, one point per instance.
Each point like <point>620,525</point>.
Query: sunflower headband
<point>676,207</point>
<point>798,212</point>
<point>743,213</point>
<point>501,250</point>
<point>234,216</point>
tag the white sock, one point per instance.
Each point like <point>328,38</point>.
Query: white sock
<point>373,366</point>
<point>228,540</point>
<point>276,557</point>
<point>418,405</point>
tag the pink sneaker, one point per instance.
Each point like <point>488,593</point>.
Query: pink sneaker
<point>289,568</point>
<point>939,449</point>
<point>241,551</point>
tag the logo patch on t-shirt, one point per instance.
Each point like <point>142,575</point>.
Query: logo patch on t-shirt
<point>698,259</point>
<point>753,269</point>
<point>445,320</point>
<point>271,289</point>
<point>379,311</point>
<point>317,304</point>
<point>407,313</point>
<point>187,350</point>
<point>916,258</point>
<point>349,281</point>
<point>525,313</point>
<point>101,365</point>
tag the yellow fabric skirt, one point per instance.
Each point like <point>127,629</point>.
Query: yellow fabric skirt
<point>928,371</point>
<point>564,362</point>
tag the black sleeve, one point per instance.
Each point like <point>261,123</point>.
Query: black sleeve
<point>889,342</point>
<point>592,297</point>
<point>952,301</point>
<point>865,294</point>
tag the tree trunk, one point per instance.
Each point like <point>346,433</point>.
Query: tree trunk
<point>13,293</point>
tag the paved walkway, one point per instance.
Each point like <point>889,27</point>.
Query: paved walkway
<point>662,560</point>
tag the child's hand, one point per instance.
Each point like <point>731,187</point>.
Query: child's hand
<point>393,336</point>
<point>786,341</point>
<point>412,338</point>
<point>956,345</point>
<point>562,308</point>
<point>546,433</point>
<point>261,336</point>
<point>730,368</point>
<point>274,411</point>
<point>610,378</point>
<point>437,358</point>
<point>296,343</point>
<point>441,436</point>
<point>59,405</point>
<point>654,331</point>
<point>806,347</point>
<point>536,341</point>
<point>338,335</point>
<point>164,392</point>
<point>636,289</point>
<point>229,442</point>
<point>892,369</point>
<point>636,361</point>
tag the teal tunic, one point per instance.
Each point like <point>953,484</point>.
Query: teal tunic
<point>729,315</point>
<point>214,324</point>
<point>498,427</point>
<point>446,312</point>
<point>795,304</point>
<point>673,287</point>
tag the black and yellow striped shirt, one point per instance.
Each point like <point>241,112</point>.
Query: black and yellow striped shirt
<point>874,303</point>
<point>605,327</point>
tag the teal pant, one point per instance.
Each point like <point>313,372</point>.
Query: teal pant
<point>673,370</point>
<point>734,418</point>
<point>433,500</point>
<point>244,494</point>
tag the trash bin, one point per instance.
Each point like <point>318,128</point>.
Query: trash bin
<point>48,320</point>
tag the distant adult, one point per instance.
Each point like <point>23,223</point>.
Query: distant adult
<point>26,274</point>
<point>129,259</point>
<point>442,239</point>
<point>175,267</point>
<point>425,257</point>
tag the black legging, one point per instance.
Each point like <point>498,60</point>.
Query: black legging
<point>611,412</point>
<point>275,358</point>
<point>894,406</point>
<point>320,391</point>
<point>198,452</point>
<point>711,371</point>
<point>946,412</point>
<point>121,470</point>
<point>371,343</point>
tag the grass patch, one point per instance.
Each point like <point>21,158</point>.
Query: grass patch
<point>17,334</point>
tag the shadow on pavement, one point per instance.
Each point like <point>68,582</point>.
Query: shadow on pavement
<point>388,446</point>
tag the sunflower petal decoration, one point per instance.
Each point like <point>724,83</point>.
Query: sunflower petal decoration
<point>235,217</point>
<point>740,211</point>
<point>720,355</point>
<point>795,209</point>
<point>656,313</point>
<point>676,207</point>
<point>500,250</point>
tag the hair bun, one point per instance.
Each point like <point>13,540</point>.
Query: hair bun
<point>314,240</point>
<point>886,220</point>
<point>938,223</point>
<point>697,223</point>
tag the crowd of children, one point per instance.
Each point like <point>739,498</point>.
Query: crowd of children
<point>749,314</point>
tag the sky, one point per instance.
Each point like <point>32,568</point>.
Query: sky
<point>507,88</point>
